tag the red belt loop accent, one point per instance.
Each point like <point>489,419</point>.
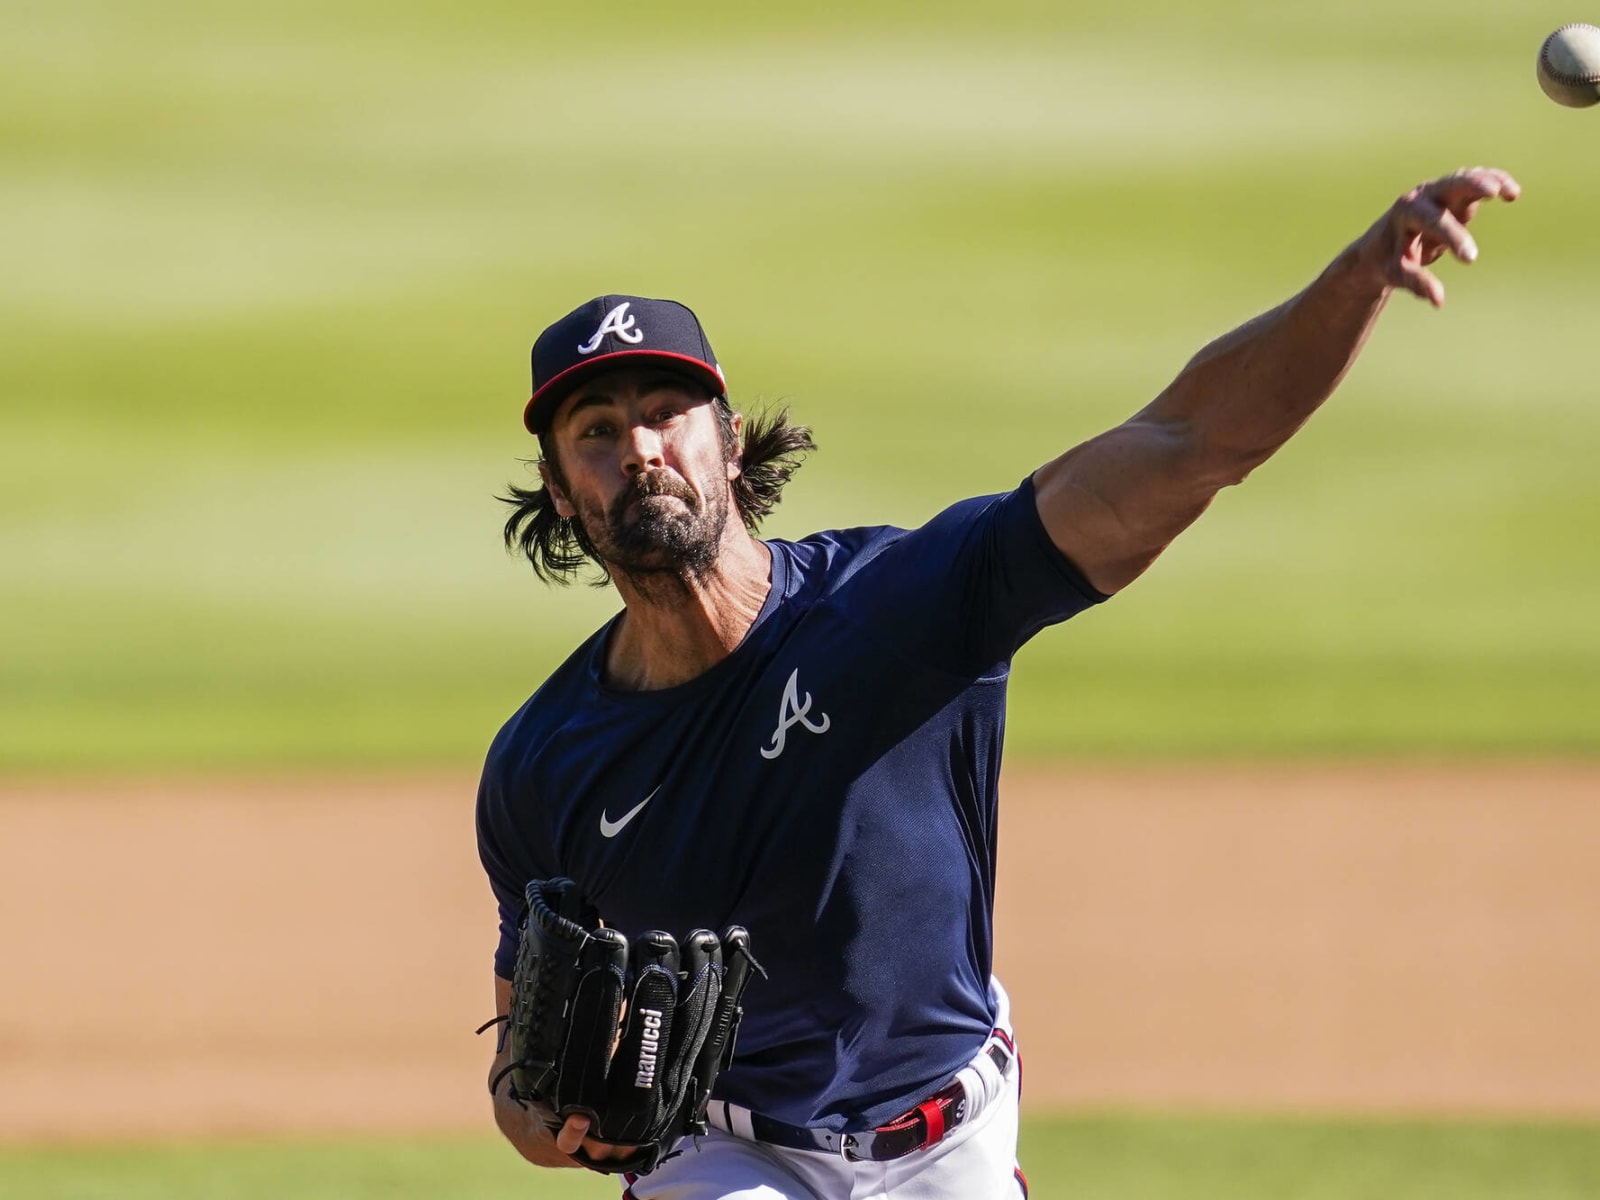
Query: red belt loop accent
<point>933,1113</point>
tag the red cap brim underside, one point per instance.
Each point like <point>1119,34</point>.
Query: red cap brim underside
<point>549,397</point>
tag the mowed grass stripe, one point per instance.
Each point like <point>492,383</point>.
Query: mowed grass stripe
<point>1087,1158</point>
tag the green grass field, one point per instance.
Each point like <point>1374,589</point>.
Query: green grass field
<point>1085,1158</point>
<point>272,272</point>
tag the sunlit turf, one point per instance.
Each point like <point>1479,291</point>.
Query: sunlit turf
<point>423,1168</point>
<point>1084,1158</point>
<point>1148,1158</point>
<point>271,275</point>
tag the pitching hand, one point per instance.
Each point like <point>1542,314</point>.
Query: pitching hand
<point>1427,221</point>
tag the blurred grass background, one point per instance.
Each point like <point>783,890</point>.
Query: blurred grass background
<point>1086,1157</point>
<point>271,274</point>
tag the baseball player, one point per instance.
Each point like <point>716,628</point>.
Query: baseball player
<point>804,737</point>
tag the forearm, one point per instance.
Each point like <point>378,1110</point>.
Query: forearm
<point>1241,397</point>
<point>525,1128</point>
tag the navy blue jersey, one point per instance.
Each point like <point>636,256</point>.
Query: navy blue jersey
<point>830,785</point>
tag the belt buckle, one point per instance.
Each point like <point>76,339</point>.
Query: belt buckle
<point>847,1146</point>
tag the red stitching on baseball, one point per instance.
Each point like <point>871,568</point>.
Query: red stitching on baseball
<point>1560,76</point>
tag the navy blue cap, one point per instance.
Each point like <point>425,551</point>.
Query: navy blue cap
<point>610,332</point>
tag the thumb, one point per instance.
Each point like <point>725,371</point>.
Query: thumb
<point>571,1134</point>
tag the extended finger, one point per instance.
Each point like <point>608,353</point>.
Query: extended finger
<point>1423,214</point>
<point>1420,281</point>
<point>1471,184</point>
<point>1465,204</point>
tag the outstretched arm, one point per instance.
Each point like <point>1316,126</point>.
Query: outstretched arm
<point>1114,503</point>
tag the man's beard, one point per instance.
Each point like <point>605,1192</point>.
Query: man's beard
<point>646,531</point>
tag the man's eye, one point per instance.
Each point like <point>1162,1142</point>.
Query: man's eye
<point>598,429</point>
<point>666,414</point>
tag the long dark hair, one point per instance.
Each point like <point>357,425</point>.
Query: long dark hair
<point>770,451</point>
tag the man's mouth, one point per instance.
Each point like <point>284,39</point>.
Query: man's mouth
<point>643,503</point>
<point>656,487</point>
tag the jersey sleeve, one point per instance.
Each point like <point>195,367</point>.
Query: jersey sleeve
<point>503,851</point>
<point>966,590</point>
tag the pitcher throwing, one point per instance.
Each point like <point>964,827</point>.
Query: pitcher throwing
<point>803,738</point>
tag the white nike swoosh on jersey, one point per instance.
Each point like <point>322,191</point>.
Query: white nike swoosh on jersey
<point>610,829</point>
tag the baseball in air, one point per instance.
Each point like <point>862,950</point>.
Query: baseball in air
<point>1569,66</point>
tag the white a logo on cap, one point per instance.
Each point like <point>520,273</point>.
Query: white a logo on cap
<point>618,322</point>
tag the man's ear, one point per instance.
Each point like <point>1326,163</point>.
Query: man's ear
<point>736,462</point>
<point>557,496</point>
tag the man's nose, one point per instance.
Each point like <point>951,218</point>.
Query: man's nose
<point>643,450</point>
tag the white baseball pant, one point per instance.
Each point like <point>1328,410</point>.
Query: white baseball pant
<point>977,1160</point>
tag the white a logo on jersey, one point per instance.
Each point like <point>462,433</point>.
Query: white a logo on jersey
<point>791,713</point>
<point>618,322</point>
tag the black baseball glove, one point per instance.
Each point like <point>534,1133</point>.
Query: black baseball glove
<point>630,1033</point>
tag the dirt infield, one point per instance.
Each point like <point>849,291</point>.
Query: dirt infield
<point>229,956</point>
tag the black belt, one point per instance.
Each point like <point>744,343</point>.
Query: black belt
<point>916,1129</point>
